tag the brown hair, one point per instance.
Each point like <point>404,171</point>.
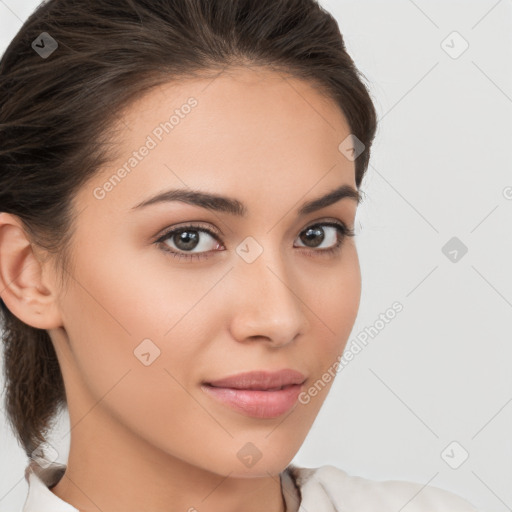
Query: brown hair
<point>57,111</point>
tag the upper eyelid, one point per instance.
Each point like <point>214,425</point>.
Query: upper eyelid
<point>216,231</point>
<point>166,232</point>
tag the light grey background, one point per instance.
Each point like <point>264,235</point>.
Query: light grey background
<point>439,372</point>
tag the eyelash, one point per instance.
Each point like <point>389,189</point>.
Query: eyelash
<point>342,229</point>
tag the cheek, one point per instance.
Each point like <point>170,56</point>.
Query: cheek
<point>334,304</point>
<point>138,324</point>
<point>335,298</point>
<point>124,364</point>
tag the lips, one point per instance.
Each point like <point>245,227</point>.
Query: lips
<point>258,394</point>
<point>260,380</point>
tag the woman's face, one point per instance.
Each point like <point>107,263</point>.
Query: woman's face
<point>147,319</point>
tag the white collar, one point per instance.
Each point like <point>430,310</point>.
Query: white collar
<point>40,477</point>
<point>323,489</point>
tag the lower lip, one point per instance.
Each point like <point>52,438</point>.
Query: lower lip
<point>257,403</point>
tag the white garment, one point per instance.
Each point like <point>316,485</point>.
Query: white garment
<point>323,489</point>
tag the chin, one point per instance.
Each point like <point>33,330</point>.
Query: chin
<point>258,471</point>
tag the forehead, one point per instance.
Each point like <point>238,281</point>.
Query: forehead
<point>251,129</point>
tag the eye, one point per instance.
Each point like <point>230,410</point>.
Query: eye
<point>182,242</point>
<point>314,236</point>
<point>190,237</point>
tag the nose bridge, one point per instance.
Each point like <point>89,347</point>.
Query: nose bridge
<point>267,304</point>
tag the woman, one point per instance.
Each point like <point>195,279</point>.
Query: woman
<point>166,168</point>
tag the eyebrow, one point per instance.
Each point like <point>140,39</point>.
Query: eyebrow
<point>235,207</point>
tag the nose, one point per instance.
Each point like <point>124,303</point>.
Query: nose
<point>266,302</point>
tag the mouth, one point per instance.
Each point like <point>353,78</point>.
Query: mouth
<point>258,394</point>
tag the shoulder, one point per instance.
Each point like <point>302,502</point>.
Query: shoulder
<point>331,485</point>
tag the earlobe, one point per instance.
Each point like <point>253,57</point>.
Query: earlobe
<point>21,285</point>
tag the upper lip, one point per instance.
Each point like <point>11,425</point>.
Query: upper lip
<point>260,379</point>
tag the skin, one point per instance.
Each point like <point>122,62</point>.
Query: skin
<point>148,437</point>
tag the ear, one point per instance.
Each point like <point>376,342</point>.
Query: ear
<point>22,287</point>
